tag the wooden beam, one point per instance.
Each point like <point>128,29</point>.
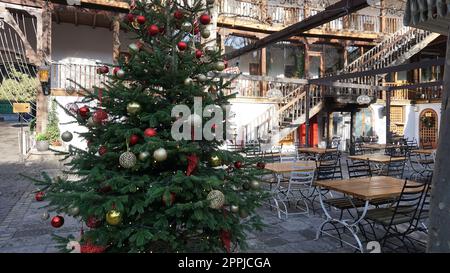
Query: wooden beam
<point>439,235</point>
<point>116,6</point>
<point>29,3</point>
<point>332,12</point>
<point>115,38</point>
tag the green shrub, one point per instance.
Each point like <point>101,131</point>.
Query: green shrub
<point>41,137</point>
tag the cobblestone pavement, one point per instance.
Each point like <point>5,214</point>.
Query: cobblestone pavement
<point>23,230</point>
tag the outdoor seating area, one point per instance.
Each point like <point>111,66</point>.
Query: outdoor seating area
<point>379,195</point>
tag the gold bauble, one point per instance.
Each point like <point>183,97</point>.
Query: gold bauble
<point>220,66</point>
<point>215,161</point>
<point>216,199</point>
<point>144,155</point>
<point>205,33</point>
<point>160,154</point>
<point>188,81</point>
<point>113,217</point>
<point>133,108</point>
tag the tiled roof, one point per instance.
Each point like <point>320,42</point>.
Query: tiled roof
<point>433,15</point>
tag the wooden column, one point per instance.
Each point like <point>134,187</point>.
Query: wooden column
<point>439,234</point>
<point>264,10</point>
<point>382,22</point>
<point>306,59</point>
<point>44,45</point>
<point>352,132</point>
<point>115,38</point>
<point>388,112</point>
<point>329,126</point>
<point>344,46</point>
<point>263,69</point>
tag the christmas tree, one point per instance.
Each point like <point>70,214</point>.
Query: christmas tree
<point>139,188</point>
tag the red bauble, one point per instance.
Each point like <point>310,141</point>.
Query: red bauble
<point>150,132</point>
<point>102,150</point>
<point>172,199</point>
<point>198,54</point>
<point>225,62</point>
<point>103,70</point>
<point>178,15</point>
<point>205,19</point>
<point>162,30</point>
<point>140,19</point>
<point>130,17</point>
<point>261,165</point>
<point>39,196</point>
<point>84,111</point>
<point>57,221</point>
<point>115,70</point>
<point>92,222</point>
<point>91,248</point>
<point>100,116</point>
<point>238,164</point>
<point>153,30</point>
<point>182,46</point>
<point>134,139</point>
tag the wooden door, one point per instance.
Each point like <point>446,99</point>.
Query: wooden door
<point>428,128</point>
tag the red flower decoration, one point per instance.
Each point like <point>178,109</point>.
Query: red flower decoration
<point>192,164</point>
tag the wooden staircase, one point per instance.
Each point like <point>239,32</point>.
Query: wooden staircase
<point>275,124</point>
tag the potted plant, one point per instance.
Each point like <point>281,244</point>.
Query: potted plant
<point>42,142</point>
<point>53,132</point>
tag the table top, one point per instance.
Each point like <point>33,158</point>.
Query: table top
<point>315,150</point>
<point>377,158</point>
<point>367,188</point>
<point>373,146</point>
<point>285,167</point>
<point>425,151</point>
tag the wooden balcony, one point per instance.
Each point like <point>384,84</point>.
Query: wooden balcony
<point>260,17</point>
<point>429,94</point>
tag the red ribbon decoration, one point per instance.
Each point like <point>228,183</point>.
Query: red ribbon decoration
<point>192,164</point>
<point>225,236</point>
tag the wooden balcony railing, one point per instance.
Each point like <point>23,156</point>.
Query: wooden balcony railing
<point>428,93</point>
<point>290,12</point>
<point>74,77</point>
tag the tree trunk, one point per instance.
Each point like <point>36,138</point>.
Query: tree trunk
<point>439,230</point>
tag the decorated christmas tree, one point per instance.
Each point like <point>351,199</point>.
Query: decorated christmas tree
<point>151,178</point>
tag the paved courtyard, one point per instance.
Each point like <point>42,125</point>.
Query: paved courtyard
<point>23,230</point>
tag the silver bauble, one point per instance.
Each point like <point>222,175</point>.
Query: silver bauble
<point>74,211</point>
<point>254,184</point>
<point>90,122</point>
<point>45,216</point>
<point>234,209</point>
<point>120,74</point>
<point>202,78</point>
<point>216,199</point>
<point>186,26</point>
<point>143,156</point>
<point>206,33</point>
<point>220,66</point>
<point>133,108</point>
<point>66,136</point>
<point>211,49</point>
<point>160,154</point>
<point>188,81</point>
<point>127,160</point>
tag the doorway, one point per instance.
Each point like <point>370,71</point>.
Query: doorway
<point>316,64</point>
<point>428,128</point>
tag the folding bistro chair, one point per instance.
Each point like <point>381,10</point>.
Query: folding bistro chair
<point>403,212</point>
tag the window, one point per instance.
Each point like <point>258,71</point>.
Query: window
<point>397,120</point>
<point>254,69</point>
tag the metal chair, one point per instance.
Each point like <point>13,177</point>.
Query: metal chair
<point>403,212</point>
<point>299,189</point>
<point>359,169</point>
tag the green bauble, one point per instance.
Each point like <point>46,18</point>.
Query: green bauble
<point>246,186</point>
<point>220,66</point>
<point>127,160</point>
<point>243,213</point>
<point>133,108</point>
<point>205,33</point>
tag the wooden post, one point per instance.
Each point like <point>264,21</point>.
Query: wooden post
<point>388,112</point>
<point>44,45</point>
<point>264,10</point>
<point>263,69</point>
<point>439,229</point>
<point>329,126</point>
<point>307,102</point>
<point>115,38</point>
<point>382,23</point>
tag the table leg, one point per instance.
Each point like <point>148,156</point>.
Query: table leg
<point>350,226</point>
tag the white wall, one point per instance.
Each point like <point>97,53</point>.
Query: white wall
<point>379,122</point>
<point>81,44</point>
